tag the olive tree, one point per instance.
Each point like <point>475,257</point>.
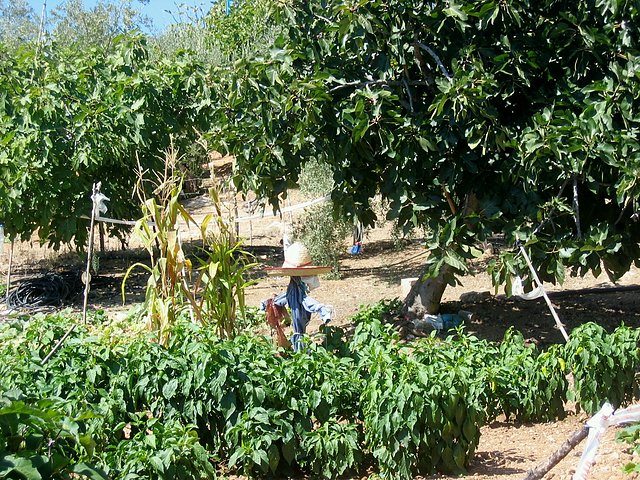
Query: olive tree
<point>472,118</point>
<point>18,23</point>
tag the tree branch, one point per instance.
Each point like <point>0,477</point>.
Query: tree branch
<point>443,69</point>
<point>406,85</point>
<point>452,205</point>
<point>576,206</point>
<point>540,471</point>
<point>330,22</point>
<point>378,83</point>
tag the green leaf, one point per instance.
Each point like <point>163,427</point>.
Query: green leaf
<point>23,466</point>
<point>288,451</point>
<point>455,11</point>
<point>169,390</point>
<point>90,471</point>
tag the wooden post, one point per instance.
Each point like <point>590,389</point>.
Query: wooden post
<point>101,232</point>
<point>87,275</point>
<point>9,272</point>
<point>87,272</point>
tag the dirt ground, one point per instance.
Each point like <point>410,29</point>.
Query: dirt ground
<point>507,450</point>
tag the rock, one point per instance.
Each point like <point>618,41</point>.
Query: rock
<point>475,297</point>
<point>406,284</point>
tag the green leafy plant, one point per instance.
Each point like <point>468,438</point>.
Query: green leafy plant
<point>223,274</point>
<point>38,441</point>
<point>89,114</point>
<point>259,440</point>
<point>604,365</point>
<point>630,435</point>
<point>332,449</point>
<point>159,448</point>
<point>420,418</point>
<point>201,403</point>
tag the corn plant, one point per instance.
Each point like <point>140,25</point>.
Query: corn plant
<point>213,292</point>
<point>159,233</point>
<point>223,271</point>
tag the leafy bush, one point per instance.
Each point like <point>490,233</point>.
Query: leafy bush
<point>332,449</point>
<point>511,377</point>
<point>371,327</point>
<point>420,418</point>
<point>603,365</point>
<point>158,449</point>
<point>38,441</point>
<point>201,402</point>
<point>322,234</point>
<point>318,228</point>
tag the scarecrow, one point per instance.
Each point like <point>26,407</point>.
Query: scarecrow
<point>304,278</point>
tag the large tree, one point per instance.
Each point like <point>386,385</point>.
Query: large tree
<point>18,23</point>
<point>69,118</point>
<point>473,118</point>
<point>98,25</point>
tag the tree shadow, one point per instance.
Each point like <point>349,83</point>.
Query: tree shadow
<point>494,463</point>
<point>608,307</point>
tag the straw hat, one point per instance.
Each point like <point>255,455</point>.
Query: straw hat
<point>297,263</point>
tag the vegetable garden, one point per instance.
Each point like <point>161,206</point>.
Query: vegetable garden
<point>114,404</point>
<point>469,120</point>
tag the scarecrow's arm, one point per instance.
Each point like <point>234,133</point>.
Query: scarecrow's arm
<point>312,306</point>
<point>279,300</point>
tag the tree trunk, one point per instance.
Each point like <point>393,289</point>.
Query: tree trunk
<point>425,295</point>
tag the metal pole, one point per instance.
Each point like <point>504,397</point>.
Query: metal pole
<point>544,294</point>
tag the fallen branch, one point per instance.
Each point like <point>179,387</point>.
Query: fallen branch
<point>539,471</point>
<point>593,430</point>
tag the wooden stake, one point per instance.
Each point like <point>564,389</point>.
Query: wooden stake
<point>101,232</point>
<point>9,272</point>
<point>95,190</point>
<point>544,294</point>
<point>87,272</point>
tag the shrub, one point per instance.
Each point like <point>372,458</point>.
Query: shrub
<point>603,365</point>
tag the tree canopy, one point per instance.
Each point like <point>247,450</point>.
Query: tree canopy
<point>472,118</point>
<point>87,104</point>
<point>69,118</point>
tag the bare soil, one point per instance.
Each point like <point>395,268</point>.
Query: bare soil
<point>507,450</point>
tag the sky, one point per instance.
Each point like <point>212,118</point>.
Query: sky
<point>155,9</point>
